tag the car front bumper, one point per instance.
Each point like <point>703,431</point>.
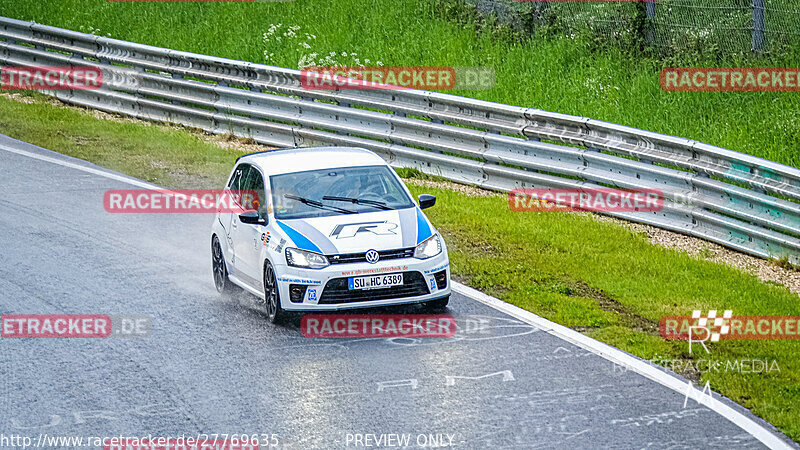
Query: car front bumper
<point>327,289</point>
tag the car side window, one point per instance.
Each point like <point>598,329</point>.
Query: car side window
<point>234,184</point>
<point>238,182</point>
<point>254,182</point>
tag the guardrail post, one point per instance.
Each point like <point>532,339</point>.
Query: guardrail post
<point>758,25</point>
<point>650,14</point>
<point>542,13</point>
<point>650,8</point>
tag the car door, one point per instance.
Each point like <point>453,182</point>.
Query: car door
<point>226,215</point>
<point>249,239</point>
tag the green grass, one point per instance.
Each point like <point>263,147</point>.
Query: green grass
<point>163,155</point>
<point>562,75</point>
<point>597,277</point>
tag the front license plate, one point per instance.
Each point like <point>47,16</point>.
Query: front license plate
<point>375,282</point>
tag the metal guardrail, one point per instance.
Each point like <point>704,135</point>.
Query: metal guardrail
<point>734,199</point>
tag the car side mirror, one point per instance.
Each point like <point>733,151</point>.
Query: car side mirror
<point>252,217</point>
<point>426,201</point>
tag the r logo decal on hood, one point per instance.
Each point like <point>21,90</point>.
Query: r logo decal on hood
<point>351,229</point>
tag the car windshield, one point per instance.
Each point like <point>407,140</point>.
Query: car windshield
<point>346,190</point>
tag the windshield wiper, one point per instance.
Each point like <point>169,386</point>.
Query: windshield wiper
<point>358,201</point>
<point>316,204</point>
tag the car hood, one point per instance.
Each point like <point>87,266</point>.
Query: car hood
<point>353,233</point>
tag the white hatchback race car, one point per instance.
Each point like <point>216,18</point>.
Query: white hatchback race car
<point>335,228</point>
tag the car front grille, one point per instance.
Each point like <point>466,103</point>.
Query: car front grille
<point>346,258</point>
<point>336,290</point>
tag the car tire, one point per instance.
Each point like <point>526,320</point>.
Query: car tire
<point>218,268</point>
<point>272,295</point>
<point>438,304</point>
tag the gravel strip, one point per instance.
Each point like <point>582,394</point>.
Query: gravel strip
<point>469,191</point>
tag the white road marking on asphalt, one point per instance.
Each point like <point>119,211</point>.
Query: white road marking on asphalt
<point>72,165</point>
<point>630,362</point>
<point>605,351</point>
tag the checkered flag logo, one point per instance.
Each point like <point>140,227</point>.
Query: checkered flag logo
<point>712,322</point>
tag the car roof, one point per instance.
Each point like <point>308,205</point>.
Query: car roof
<point>287,160</point>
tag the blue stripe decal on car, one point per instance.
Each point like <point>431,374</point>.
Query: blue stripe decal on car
<point>299,240</point>
<point>314,235</point>
<point>423,229</point>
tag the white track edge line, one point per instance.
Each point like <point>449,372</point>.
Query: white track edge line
<point>61,162</point>
<point>625,360</point>
<point>598,348</point>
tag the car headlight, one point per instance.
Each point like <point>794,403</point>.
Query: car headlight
<point>428,248</point>
<point>308,260</point>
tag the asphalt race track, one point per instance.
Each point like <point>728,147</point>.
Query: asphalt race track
<point>215,365</point>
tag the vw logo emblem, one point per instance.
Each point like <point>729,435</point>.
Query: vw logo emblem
<point>372,256</point>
